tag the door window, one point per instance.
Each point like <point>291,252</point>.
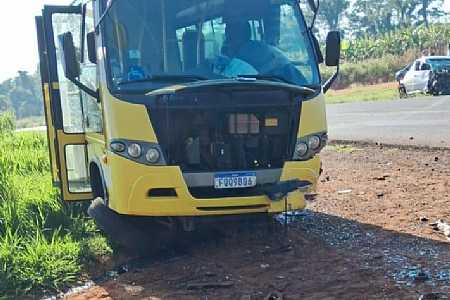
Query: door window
<point>76,165</point>
<point>417,66</point>
<point>72,110</point>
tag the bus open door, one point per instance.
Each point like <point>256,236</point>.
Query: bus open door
<point>63,106</point>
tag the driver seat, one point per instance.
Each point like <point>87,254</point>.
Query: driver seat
<point>193,50</point>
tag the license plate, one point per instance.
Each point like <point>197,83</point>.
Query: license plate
<point>232,180</point>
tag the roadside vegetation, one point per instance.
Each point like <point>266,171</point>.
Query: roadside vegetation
<point>43,242</point>
<point>432,39</point>
<point>358,93</point>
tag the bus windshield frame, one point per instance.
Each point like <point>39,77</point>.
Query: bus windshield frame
<point>151,44</point>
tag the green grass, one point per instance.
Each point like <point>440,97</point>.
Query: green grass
<point>378,92</point>
<point>43,242</point>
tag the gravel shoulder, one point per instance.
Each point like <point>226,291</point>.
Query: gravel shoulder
<point>365,235</point>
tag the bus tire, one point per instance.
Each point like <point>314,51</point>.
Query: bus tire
<point>98,184</point>
<point>120,229</point>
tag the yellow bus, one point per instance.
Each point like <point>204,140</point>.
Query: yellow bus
<point>184,108</point>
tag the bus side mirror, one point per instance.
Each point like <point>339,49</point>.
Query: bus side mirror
<point>333,49</point>
<point>69,60</point>
<point>332,56</point>
<point>71,64</point>
<point>92,51</point>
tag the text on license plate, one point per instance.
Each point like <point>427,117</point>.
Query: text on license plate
<point>232,180</point>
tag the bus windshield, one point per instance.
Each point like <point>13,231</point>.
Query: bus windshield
<point>152,43</point>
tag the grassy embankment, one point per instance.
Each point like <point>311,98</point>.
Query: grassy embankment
<point>376,92</point>
<point>43,243</point>
<point>368,80</point>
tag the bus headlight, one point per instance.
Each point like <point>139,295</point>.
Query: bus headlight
<point>146,153</point>
<point>152,155</point>
<point>301,149</point>
<point>134,150</point>
<point>118,146</point>
<point>314,142</point>
<point>307,147</point>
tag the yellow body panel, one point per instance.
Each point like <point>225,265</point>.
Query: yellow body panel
<point>50,133</point>
<point>69,139</point>
<point>314,116</point>
<point>126,120</point>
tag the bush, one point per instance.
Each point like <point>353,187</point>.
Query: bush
<point>397,43</point>
<point>7,123</point>
<point>369,71</point>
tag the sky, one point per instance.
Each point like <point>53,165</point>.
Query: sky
<point>18,50</point>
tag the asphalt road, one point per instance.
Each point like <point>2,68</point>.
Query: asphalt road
<point>414,121</point>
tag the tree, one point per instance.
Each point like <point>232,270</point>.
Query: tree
<point>430,8</point>
<point>371,17</point>
<point>22,95</point>
<point>4,103</point>
<point>332,11</point>
<point>405,10</point>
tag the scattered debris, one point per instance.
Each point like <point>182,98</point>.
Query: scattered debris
<point>433,296</point>
<point>442,226</point>
<point>210,274</point>
<point>344,192</point>
<point>382,177</point>
<point>423,219</point>
<point>421,276</point>
<point>311,196</point>
<point>112,274</point>
<point>207,285</point>
<point>123,269</point>
<point>274,296</point>
<point>133,290</point>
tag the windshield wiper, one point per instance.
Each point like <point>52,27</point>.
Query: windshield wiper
<point>275,78</point>
<point>263,77</point>
<point>165,78</point>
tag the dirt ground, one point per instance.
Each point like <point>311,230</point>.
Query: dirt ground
<point>365,235</point>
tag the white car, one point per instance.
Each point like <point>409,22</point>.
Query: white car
<point>428,74</point>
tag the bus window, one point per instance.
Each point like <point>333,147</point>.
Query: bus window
<point>93,121</point>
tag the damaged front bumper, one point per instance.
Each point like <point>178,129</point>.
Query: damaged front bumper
<point>163,191</point>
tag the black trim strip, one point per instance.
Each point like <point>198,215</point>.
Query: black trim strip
<point>225,208</point>
<point>43,68</point>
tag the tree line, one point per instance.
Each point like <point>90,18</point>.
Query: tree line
<point>22,95</point>
<point>371,17</point>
